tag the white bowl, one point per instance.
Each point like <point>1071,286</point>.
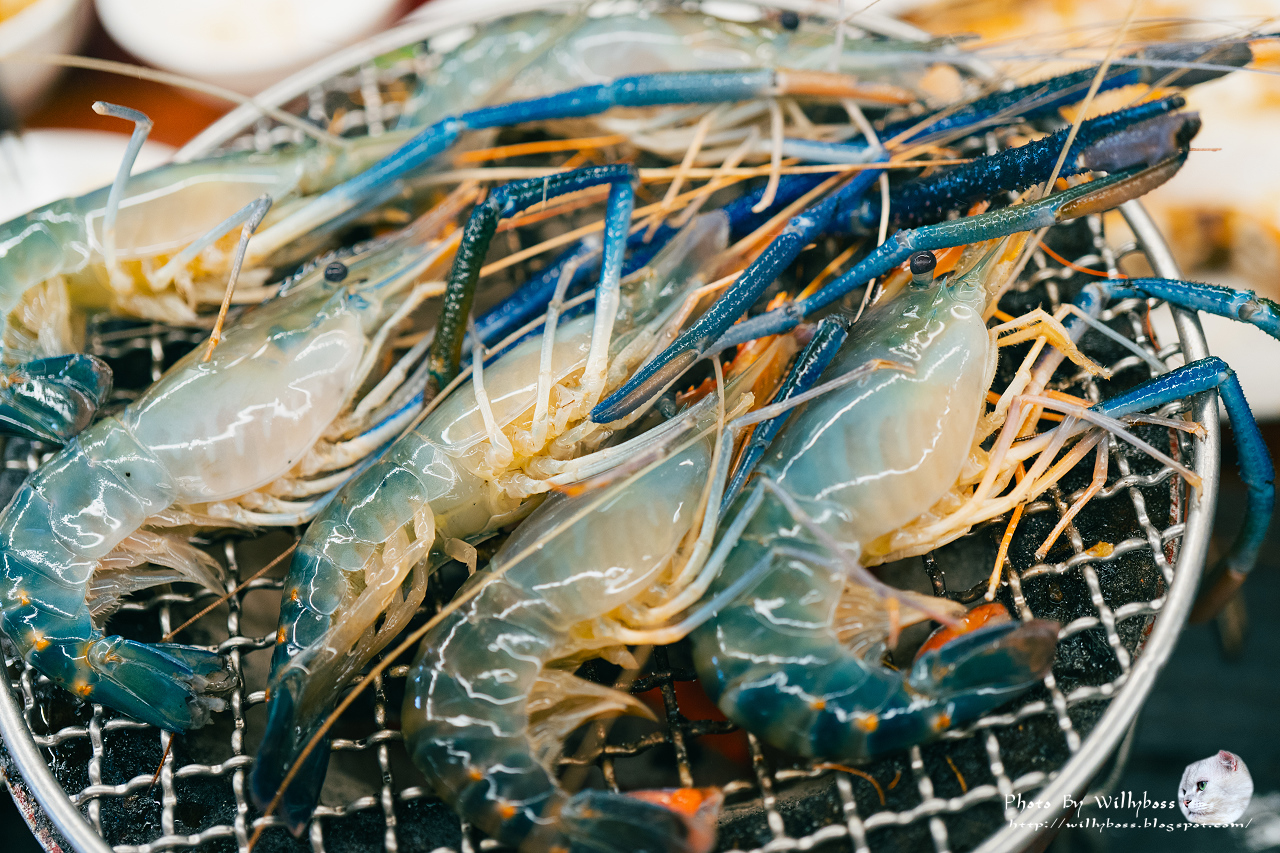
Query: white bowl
<point>245,45</point>
<point>45,165</point>
<point>46,26</point>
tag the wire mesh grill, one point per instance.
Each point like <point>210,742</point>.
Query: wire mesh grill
<point>1108,583</point>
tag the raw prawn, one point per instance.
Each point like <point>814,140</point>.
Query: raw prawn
<point>476,463</point>
<point>491,695</point>
<point>793,660</point>
<point>138,247</point>
<point>480,460</point>
<point>215,442</point>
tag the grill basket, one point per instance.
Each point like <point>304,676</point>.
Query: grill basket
<point>86,776</point>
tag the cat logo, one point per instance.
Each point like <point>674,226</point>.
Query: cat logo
<point>1215,791</point>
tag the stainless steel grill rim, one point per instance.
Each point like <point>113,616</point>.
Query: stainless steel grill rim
<point>1124,695</point>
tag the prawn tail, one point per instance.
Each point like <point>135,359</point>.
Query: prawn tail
<point>827,700</point>
<point>53,399</point>
<point>486,729</point>
<point>680,820</point>
<point>172,687</point>
<point>946,688</point>
<point>520,804</point>
<point>980,670</point>
<point>288,732</point>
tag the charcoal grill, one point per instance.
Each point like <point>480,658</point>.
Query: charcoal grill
<point>86,778</point>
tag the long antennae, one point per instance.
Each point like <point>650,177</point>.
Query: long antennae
<point>169,271</point>
<point>142,125</point>
<point>408,643</point>
<point>124,68</point>
<point>1088,99</point>
<point>257,209</point>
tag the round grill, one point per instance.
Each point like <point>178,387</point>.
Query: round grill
<point>1121,586</point>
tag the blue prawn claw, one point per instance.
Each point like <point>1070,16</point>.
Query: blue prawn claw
<point>53,399</point>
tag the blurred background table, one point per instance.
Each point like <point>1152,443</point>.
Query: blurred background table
<point>178,114</point>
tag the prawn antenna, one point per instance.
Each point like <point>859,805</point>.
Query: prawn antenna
<point>1088,99</point>
<point>167,273</point>
<point>141,128</point>
<point>256,210</point>
<point>140,72</point>
<point>168,638</point>
<point>167,737</point>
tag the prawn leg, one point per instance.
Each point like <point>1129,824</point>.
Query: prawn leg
<point>1140,135</point>
<point>1080,200</point>
<point>1242,305</point>
<point>1256,468</point>
<point>1044,98</point>
<point>1207,374</point>
<point>532,298</point>
<point>692,343</point>
<point>446,349</point>
<point>714,331</point>
<point>1109,142</point>
<point>661,89</point>
<point>1033,101</point>
<point>142,125</point>
<point>52,399</point>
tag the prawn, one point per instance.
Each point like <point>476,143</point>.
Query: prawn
<point>794,660</point>
<point>326,604</point>
<point>879,472</point>
<point>353,567</point>
<point>491,695</point>
<point>481,459</point>
<point>146,246</point>
<point>216,442</point>
<point>138,244</point>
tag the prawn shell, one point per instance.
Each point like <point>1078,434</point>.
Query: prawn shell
<point>235,423</point>
<point>899,439</point>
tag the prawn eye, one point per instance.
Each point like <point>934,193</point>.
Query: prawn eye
<point>922,266</point>
<point>335,272</point>
<point>789,20</point>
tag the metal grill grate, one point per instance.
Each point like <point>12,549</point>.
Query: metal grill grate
<point>1120,605</point>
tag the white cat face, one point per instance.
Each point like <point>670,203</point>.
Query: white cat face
<point>1216,790</point>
